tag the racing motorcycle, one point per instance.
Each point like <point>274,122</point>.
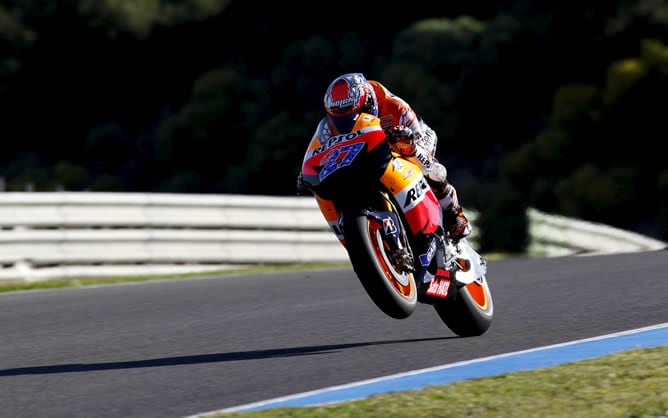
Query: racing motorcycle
<point>388,219</point>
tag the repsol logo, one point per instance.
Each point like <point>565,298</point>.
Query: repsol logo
<point>424,159</point>
<point>415,193</point>
<point>335,140</point>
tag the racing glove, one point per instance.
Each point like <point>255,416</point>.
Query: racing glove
<point>402,140</point>
<point>300,189</point>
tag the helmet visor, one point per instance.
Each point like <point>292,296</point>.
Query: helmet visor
<point>344,123</point>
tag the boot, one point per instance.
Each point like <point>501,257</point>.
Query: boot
<point>456,223</point>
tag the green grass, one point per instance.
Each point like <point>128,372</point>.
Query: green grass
<point>630,384</point>
<point>16,285</point>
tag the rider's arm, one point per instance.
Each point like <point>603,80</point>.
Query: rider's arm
<point>420,148</point>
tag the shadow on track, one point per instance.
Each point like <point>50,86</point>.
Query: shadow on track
<point>202,358</point>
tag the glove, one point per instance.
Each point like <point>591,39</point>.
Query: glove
<point>402,140</point>
<point>300,185</point>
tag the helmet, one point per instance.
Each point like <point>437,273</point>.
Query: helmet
<point>348,96</point>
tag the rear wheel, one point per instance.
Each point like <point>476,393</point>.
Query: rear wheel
<point>470,313</point>
<point>391,289</point>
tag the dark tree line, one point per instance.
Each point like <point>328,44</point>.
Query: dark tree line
<point>553,105</point>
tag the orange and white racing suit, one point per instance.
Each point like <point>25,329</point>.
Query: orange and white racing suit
<point>394,111</point>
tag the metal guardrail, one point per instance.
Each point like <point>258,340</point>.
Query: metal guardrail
<point>555,235</point>
<point>75,234</point>
<point>52,234</point>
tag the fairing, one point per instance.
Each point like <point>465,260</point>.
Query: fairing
<point>348,170</point>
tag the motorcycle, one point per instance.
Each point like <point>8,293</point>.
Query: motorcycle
<point>388,219</point>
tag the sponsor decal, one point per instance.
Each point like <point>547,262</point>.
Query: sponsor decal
<point>341,138</point>
<point>342,102</point>
<point>389,226</point>
<point>424,159</point>
<point>414,193</point>
<point>386,121</point>
<point>428,141</point>
<point>425,259</point>
<point>335,140</point>
<point>439,287</point>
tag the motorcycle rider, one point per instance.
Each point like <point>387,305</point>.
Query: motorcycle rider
<point>350,94</point>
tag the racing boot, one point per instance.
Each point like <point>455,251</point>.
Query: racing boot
<point>454,221</point>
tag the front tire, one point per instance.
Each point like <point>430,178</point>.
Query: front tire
<point>470,313</point>
<point>394,292</point>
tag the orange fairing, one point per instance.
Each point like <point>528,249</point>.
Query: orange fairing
<point>317,160</point>
<point>331,216</point>
<point>401,177</point>
<point>411,190</point>
<point>366,130</point>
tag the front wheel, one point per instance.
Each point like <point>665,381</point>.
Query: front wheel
<point>392,290</point>
<point>470,313</point>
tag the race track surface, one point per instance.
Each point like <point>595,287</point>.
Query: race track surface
<point>181,347</point>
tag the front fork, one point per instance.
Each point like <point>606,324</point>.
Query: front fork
<point>394,237</point>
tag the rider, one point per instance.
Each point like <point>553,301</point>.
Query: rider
<point>351,94</point>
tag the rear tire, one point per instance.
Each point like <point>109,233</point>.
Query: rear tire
<point>470,313</point>
<point>393,292</point>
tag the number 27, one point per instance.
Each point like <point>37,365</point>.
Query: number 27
<point>340,157</point>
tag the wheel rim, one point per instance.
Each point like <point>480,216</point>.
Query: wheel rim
<point>402,282</point>
<point>478,294</point>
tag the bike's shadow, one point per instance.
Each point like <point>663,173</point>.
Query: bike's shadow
<point>205,358</point>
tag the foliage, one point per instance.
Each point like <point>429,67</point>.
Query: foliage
<point>546,104</point>
<point>584,163</point>
<point>140,16</point>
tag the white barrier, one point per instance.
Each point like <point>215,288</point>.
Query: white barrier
<point>554,235</point>
<point>46,235</point>
<point>74,234</point>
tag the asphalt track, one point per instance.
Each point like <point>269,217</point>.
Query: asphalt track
<point>181,347</point>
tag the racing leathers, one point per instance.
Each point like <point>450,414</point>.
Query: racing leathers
<point>415,141</point>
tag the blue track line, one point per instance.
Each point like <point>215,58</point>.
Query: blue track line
<point>536,358</point>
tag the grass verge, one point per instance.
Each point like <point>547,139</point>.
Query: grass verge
<point>632,384</point>
<point>18,285</point>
